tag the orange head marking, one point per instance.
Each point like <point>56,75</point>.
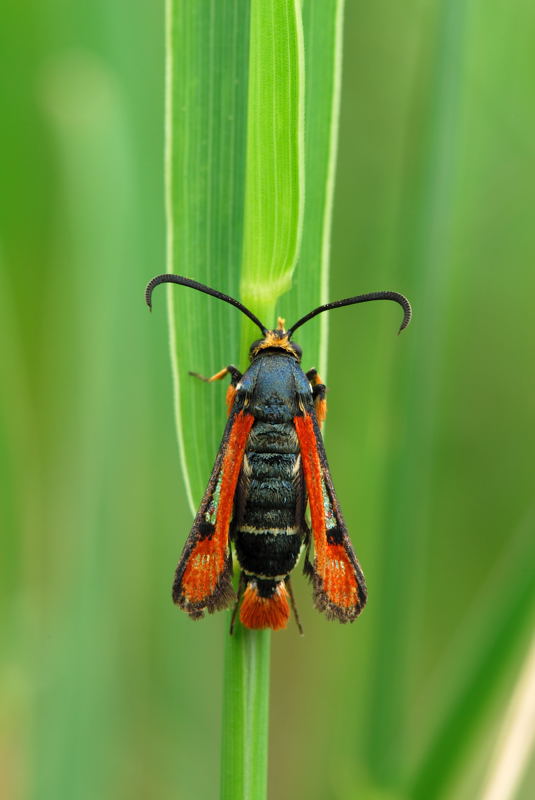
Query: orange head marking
<point>274,340</point>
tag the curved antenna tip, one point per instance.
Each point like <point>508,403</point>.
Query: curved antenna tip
<point>361,298</point>
<point>407,313</point>
<point>200,287</point>
<point>149,288</point>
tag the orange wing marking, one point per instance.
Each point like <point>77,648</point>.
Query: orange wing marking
<point>208,558</point>
<point>332,563</point>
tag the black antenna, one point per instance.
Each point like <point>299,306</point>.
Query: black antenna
<point>200,288</point>
<point>361,298</point>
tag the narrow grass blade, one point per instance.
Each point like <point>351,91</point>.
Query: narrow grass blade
<point>244,745</point>
<point>322,27</point>
<point>274,182</point>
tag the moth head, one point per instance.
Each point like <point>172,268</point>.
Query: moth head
<point>276,340</point>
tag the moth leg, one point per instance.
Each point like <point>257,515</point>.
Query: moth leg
<point>308,569</point>
<point>292,603</point>
<point>230,370</point>
<point>235,376</point>
<point>318,394</point>
<point>241,588</point>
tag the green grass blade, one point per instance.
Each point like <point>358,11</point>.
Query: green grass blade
<point>322,27</point>
<point>244,743</point>
<point>274,182</point>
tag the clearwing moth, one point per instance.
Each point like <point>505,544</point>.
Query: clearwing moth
<point>270,465</point>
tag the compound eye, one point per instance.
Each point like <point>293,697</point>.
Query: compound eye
<point>297,350</point>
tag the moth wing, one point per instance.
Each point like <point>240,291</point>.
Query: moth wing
<point>203,575</point>
<point>337,578</point>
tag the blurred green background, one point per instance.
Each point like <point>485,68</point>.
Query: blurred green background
<point>106,690</point>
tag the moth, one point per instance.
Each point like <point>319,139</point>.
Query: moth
<point>271,465</point>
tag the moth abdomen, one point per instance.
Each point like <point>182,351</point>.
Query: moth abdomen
<point>268,535</point>
<point>268,554</point>
<point>272,437</point>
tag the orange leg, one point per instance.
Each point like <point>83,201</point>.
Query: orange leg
<point>230,370</point>
<point>235,377</point>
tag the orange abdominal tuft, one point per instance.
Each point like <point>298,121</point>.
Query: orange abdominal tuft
<point>265,612</point>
